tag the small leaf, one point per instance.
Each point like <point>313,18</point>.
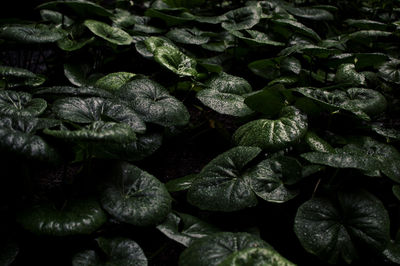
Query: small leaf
<point>38,33</point>
<point>112,34</point>
<point>14,77</point>
<point>181,183</point>
<point>113,81</point>
<point>241,18</point>
<point>346,73</point>
<point>188,36</point>
<point>390,71</point>
<point>15,103</point>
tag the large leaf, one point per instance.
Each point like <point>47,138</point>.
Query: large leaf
<point>82,8</point>
<point>153,102</point>
<point>256,256</point>
<point>185,228</point>
<point>112,82</point>
<point>76,217</point>
<point>332,230</point>
<point>56,18</point>
<point>136,197</point>
<point>241,18</point>
<point>170,19</point>
<point>273,135</point>
<point>14,103</point>
<point>77,74</point>
<point>119,251</point>
<point>93,109</point>
<point>221,186</point>
<point>188,36</point>
<point>346,73</point>
<point>286,24</point>
<point>390,71</point>
<point>68,44</point>
<point>268,101</point>
<point>17,137</point>
<point>310,13</point>
<point>14,77</point>
<point>38,33</point>
<point>214,249</point>
<point>112,34</point>
<point>380,157</point>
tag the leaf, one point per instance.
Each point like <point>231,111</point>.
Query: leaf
<point>221,186</point>
<point>153,102</point>
<point>392,252</point>
<point>70,45</point>
<point>365,24</point>
<point>56,18</point>
<point>119,251</point>
<point>267,101</point>
<point>256,256</point>
<point>136,197</point>
<point>181,183</point>
<point>382,157</point>
<point>17,137</point>
<point>273,135</point>
<point>317,144</point>
<point>176,61</point>
<point>15,103</point>
<point>97,131</point>
<point>214,249</point>
<point>331,230</point>
<point>256,38</point>
<point>170,19</point>
<point>76,74</point>
<point>310,13</point>
<point>15,77</point>
<point>111,34</point>
<point>241,18</point>
<point>273,68</point>
<point>76,217</point>
<point>81,8</point>
<point>266,179</point>
<point>310,50</point>
<point>38,33</point>
<point>188,36</point>
<point>367,35</point>
<point>184,228</point>
<point>67,91</point>
<point>184,3</point>
<point>93,109</point>
<point>390,71</point>
<point>386,132</point>
<point>346,73</point>
<point>295,26</point>
<point>396,191</point>
<point>9,250</point>
<point>113,81</point>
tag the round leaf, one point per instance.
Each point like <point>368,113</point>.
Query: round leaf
<point>112,82</point>
<point>14,77</point>
<point>176,61</point>
<point>14,103</point>
<point>112,34</point>
<point>32,33</point>
<point>241,18</point>
<point>136,197</point>
<point>256,256</point>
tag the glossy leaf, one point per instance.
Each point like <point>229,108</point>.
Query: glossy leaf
<point>310,13</point>
<point>184,3</point>
<point>386,132</point>
<point>38,33</point>
<point>112,34</point>
<point>241,18</point>
<point>221,186</point>
<point>70,45</point>
<point>346,73</point>
<point>170,19</point>
<point>180,183</point>
<point>256,256</point>
<point>317,144</point>
<point>76,74</point>
<point>13,77</point>
<point>214,249</point>
<point>365,24</point>
<point>273,68</point>
<point>267,101</point>
<point>390,71</point>
<point>331,230</point>
<point>298,27</point>
<point>188,36</point>
<point>93,109</point>
<point>392,252</point>
<point>15,103</point>
<point>153,102</point>
<point>273,135</point>
<point>76,217</point>
<point>256,38</point>
<point>184,228</point>
<point>56,18</point>
<point>82,8</point>
<point>67,91</point>
<point>176,61</point>
<point>112,82</point>
<point>136,197</point>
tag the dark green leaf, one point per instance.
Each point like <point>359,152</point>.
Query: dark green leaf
<point>70,45</point>
<point>184,3</point>
<point>55,17</point>
<point>365,24</point>
<point>188,36</point>
<point>256,38</point>
<point>171,20</point>
<point>14,77</point>
<point>112,34</point>
<point>386,132</point>
<point>8,251</point>
<point>256,256</point>
<point>66,91</point>
<point>309,13</point>
<point>241,18</point>
<point>390,71</point>
<point>268,101</point>
<point>82,8</point>
<point>176,61</point>
<point>317,144</point>
<point>273,68</point>
<point>15,103</point>
<point>38,33</point>
<point>297,27</point>
<point>112,82</point>
<point>346,73</point>
<point>181,183</point>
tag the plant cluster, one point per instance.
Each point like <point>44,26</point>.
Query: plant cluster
<point>302,164</point>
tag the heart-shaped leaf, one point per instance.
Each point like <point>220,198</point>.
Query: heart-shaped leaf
<point>241,18</point>
<point>38,33</point>
<point>188,36</point>
<point>176,61</point>
<point>214,249</point>
<point>14,77</point>
<point>221,186</point>
<point>256,256</point>
<point>15,103</point>
<point>76,217</point>
<point>112,34</point>
<point>282,25</point>
<point>331,229</point>
<point>112,82</point>
<point>185,228</point>
<point>153,102</point>
<point>176,17</point>
<point>136,197</point>
<point>273,135</point>
<point>119,251</point>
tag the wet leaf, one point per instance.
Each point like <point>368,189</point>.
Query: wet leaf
<point>82,8</point>
<point>317,144</point>
<point>76,217</point>
<point>15,103</point>
<point>310,13</point>
<point>176,61</point>
<point>112,34</point>
<point>136,197</point>
<point>331,230</point>
<point>38,33</point>
<point>188,36</point>
<point>256,256</point>
<point>386,132</point>
<point>254,37</point>
<point>241,18</point>
<point>67,91</point>
<point>297,27</point>
<point>113,81</point>
<point>15,77</point>
<point>267,101</point>
<point>390,71</point>
<point>366,24</point>
<point>346,73</point>
<point>180,183</point>
<point>77,74</point>
<point>70,45</point>
<point>273,68</point>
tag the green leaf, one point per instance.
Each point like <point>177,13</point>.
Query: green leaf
<point>317,144</point>
<point>76,217</point>
<point>70,45</point>
<point>267,101</point>
<point>367,35</point>
<point>153,102</point>
<point>67,91</point>
<point>256,256</point>
<point>136,197</point>
<point>15,77</point>
<point>113,81</point>
<point>97,131</point>
<point>188,36</point>
<point>170,20</point>
<point>112,34</point>
<point>295,26</point>
<point>15,103</point>
<point>365,24</point>
<point>81,8</point>
<point>55,17</point>
<point>266,179</point>
<point>392,252</point>
<point>76,74</point>
<point>273,135</point>
<point>390,71</point>
<point>184,3</point>
<point>346,73</point>
<point>396,191</point>
<point>152,43</point>
<point>310,13</point>
<point>184,228</point>
<point>273,68</point>
<point>310,50</point>
<point>214,249</point>
<point>382,157</point>
<point>119,251</point>
<point>93,109</point>
<point>181,183</point>
<point>221,186</point>
<point>176,61</point>
<point>256,38</point>
<point>38,33</point>
<point>386,132</point>
<point>9,250</point>
<point>241,18</point>
<point>331,230</point>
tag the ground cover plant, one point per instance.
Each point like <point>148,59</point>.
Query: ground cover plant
<point>178,132</point>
